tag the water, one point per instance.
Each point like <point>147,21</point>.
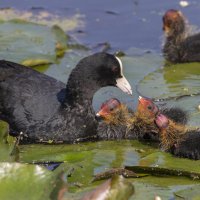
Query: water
<point>124,24</point>
<point>135,27</point>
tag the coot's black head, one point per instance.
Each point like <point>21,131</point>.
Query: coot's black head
<point>91,74</point>
<point>106,70</point>
<point>173,23</point>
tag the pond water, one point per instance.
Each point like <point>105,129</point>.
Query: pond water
<point>134,27</point>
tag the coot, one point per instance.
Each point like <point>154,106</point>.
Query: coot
<point>120,122</point>
<point>114,119</point>
<point>45,110</point>
<point>178,139</point>
<point>179,46</point>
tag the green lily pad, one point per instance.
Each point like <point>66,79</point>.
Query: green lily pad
<point>180,79</point>
<point>21,181</point>
<point>114,188</point>
<point>192,193</point>
<point>42,17</point>
<point>31,44</point>
<point>166,160</point>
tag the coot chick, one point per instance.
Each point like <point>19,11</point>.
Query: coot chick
<point>178,139</point>
<point>119,122</point>
<point>47,110</point>
<point>114,120</point>
<point>143,126</point>
<point>176,114</point>
<point>179,46</point>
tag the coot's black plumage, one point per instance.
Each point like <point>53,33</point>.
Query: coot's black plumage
<point>44,109</point>
<point>179,46</point>
<point>176,114</point>
<point>189,147</point>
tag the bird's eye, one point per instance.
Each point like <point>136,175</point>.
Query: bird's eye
<point>114,68</point>
<point>149,107</point>
<point>111,109</point>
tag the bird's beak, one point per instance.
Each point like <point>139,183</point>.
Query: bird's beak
<point>98,116</point>
<point>140,98</point>
<point>124,85</point>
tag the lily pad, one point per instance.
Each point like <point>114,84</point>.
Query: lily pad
<point>180,79</point>
<point>29,43</point>
<point>21,181</point>
<point>166,160</point>
<point>192,193</point>
<point>42,17</point>
<point>114,188</point>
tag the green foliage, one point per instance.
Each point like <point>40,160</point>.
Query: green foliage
<point>22,181</point>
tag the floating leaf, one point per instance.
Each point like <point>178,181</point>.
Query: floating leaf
<point>30,44</point>
<point>21,181</point>
<point>180,79</point>
<point>42,17</point>
<point>192,193</point>
<point>116,188</point>
<point>162,159</point>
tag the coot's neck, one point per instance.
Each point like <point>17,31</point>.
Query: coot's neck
<point>172,49</point>
<point>175,39</point>
<point>81,87</point>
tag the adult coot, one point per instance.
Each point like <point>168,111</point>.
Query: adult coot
<point>179,46</point>
<point>178,139</point>
<point>45,110</point>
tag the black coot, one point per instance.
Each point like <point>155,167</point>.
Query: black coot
<point>46,110</point>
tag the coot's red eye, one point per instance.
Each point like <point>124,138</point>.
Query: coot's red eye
<point>114,68</point>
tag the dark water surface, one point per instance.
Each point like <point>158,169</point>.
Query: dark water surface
<point>124,24</point>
